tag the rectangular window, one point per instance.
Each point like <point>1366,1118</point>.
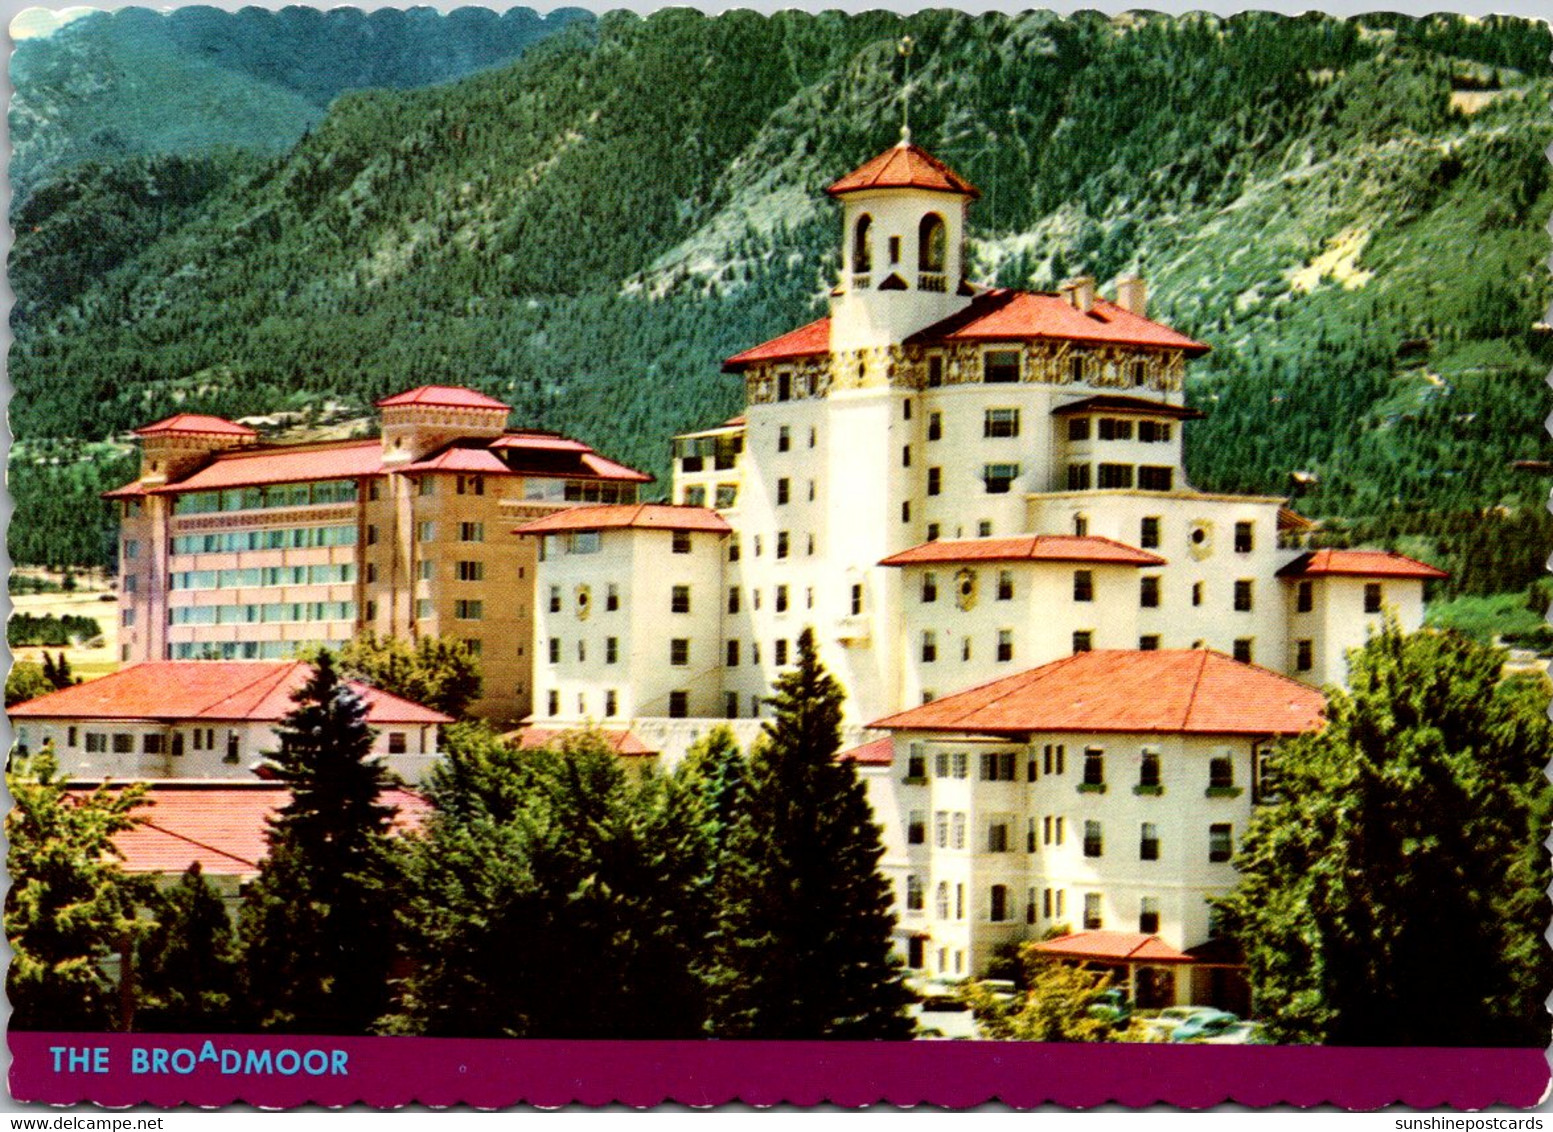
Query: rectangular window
<point>426,569</point>
<point>999,423</point>
<point>781,544</point>
<point>733,654</point>
<point>465,610</point>
<point>960,762</point>
<point>1372,597</point>
<point>1094,844</point>
<point>426,530</point>
<point>1304,597</point>
<point>856,606</point>
<point>998,478</point>
<point>999,903</point>
<point>679,705</point>
<point>1243,537</point>
<point>784,438</point>
<point>423,608</point>
<point>1083,585</point>
<point>1092,920</point>
<point>471,571</point>
<point>582,650</point>
<point>1196,593</point>
<point>929,586</point>
<point>1111,428</point>
<point>1221,773</point>
<point>681,542</point>
<point>906,511</point>
<point>957,830</point>
<point>1078,428</point>
<point>611,650</point>
<point>1148,916</point>
<point>1148,591</point>
<point>1155,478</point>
<point>1220,842</point>
<point>611,702</point>
<point>1078,477</point>
<point>679,652</point>
<point>1304,656</point>
<point>1005,585</point>
<point>941,829</point>
<point>935,426</point>
<point>555,650</point>
<point>1000,367</point>
<point>1115,476</point>
<point>781,652</point>
<point>935,371</point>
<point>781,599</point>
<point>733,548</point>
<point>123,744</point>
<point>1149,534</point>
<point>471,532</point>
<point>782,491</point>
<point>934,480</point>
<point>997,767</point>
<point>915,898</point>
<point>1243,596</point>
<point>731,705</point>
<point>1148,842</point>
<point>1243,650</point>
<point>916,828</point>
<point>1094,766</point>
<point>929,646</point>
<point>1083,640</point>
<point>553,702</point>
<point>679,599</point>
<point>997,837</point>
<point>1005,644</point>
<point>555,599</point>
<point>1148,769</point>
<point>906,456</point>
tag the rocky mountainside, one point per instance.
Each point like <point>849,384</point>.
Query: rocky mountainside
<point>1353,214</point>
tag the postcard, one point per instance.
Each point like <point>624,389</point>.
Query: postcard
<point>799,557</point>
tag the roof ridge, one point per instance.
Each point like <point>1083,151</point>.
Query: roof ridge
<point>1191,700</point>
<point>194,841</point>
<point>275,676</point>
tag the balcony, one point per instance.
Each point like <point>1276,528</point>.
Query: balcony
<point>861,282</point>
<point>934,281</point>
<point>854,628</point>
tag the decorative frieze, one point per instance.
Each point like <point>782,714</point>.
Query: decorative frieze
<point>227,520</point>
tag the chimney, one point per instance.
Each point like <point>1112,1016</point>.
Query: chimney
<point>1080,291</point>
<point>1132,295</point>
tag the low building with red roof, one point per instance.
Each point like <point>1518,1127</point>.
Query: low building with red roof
<point>1105,792</point>
<point>239,549</point>
<point>202,719</point>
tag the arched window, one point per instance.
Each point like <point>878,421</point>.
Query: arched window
<point>862,241</point>
<point>932,243</point>
<point>941,902</point>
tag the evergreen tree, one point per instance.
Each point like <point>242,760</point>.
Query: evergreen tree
<point>26,681</point>
<point>316,928</point>
<point>70,906</point>
<point>715,770</point>
<point>1394,894</point>
<point>552,896</point>
<point>803,940</point>
<point>186,972</point>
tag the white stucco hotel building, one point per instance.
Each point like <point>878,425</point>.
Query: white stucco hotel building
<point>958,487</point>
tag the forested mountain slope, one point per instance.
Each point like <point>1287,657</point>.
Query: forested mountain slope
<point>1353,215</point>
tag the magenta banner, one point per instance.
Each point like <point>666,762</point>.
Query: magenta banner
<point>281,1072</point>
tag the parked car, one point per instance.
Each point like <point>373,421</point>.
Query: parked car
<point>1111,1006</point>
<point>1204,1025</point>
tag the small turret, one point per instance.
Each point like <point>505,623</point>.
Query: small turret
<point>418,422</point>
<point>178,445</point>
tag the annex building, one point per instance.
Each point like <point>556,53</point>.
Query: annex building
<point>976,498</point>
<point>232,549</point>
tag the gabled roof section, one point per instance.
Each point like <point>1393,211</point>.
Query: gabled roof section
<point>617,516</point>
<point>1030,548</point>
<point>904,166</point>
<point>222,825</point>
<point>880,752</point>
<point>1174,691</point>
<point>443,397</point>
<point>1008,315</point>
<point>194,424</point>
<point>224,690</point>
<point>1120,403</point>
<point>1359,564</point>
<point>1112,947</point>
<point>469,461</point>
<point>804,342</point>
<point>253,467</point>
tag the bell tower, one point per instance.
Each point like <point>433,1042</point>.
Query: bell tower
<point>903,233</point>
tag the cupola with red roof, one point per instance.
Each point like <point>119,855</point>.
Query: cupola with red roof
<point>174,446</point>
<point>902,262</point>
<point>419,421</point>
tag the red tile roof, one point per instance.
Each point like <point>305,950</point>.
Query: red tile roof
<point>195,423</point>
<point>1017,315</point>
<point>1169,691</point>
<point>620,741</point>
<point>477,461</point>
<point>903,166</point>
<point>1359,564</point>
<point>227,690</point>
<point>1112,947</point>
<point>444,397</point>
<point>1119,403</point>
<point>251,467</point>
<point>222,825</point>
<point>806,340</point>
<point>649,516</point>
<point>880,752</point>
<point>603,468</point>
<point>540,442</point>
<point>1031,548</point>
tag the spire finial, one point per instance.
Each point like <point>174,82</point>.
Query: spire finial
<point>904,47</point>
